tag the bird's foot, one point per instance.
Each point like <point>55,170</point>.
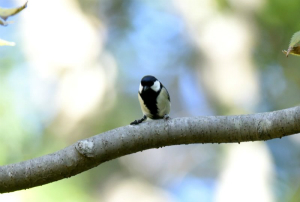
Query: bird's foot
<point>166,117</point>
<point>136,122</point>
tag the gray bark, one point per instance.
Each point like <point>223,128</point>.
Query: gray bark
<point>91,152</point>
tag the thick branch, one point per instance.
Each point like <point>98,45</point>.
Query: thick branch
<point>91,152</point>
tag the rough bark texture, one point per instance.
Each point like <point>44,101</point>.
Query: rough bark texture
<point>91,152</point>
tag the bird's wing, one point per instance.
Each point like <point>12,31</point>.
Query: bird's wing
<point>163,102</point>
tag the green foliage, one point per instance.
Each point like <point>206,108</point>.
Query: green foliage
<point>293,49</point>
<point>295,39</point>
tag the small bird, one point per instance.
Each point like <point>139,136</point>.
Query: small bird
<point>154,100</point>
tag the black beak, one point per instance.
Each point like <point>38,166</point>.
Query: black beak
<point>146,88</point>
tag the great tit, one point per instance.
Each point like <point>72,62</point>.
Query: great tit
<point>154,99</point>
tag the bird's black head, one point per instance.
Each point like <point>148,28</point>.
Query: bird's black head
<point>148,80</point>
<point>149,83</point>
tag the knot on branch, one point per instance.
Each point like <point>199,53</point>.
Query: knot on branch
<point>86,148</point>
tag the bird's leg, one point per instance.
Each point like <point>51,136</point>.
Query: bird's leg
<point>139,120</point>
<point>166,117</point>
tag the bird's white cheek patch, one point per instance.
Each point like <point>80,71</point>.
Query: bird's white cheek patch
<point>156,86</point>
<point>140,88</point>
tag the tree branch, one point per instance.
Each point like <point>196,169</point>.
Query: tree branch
<point>91,152</point>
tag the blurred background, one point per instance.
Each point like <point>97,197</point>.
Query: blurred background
<point>75,72</point>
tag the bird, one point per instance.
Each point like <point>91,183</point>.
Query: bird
<point>154,99</point>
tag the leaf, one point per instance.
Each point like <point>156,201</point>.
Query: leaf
<point>4,14</point>
<point>295,50</point>
<point>4,23</point>
<point>7,12</point>
<point>295,39</point>
<point>6,43</point>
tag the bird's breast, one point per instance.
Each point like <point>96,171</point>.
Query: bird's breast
<point>155,104</point>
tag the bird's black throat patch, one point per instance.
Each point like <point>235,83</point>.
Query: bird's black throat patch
<point>149,97</point>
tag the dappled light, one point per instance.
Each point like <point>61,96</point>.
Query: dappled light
<point>71,69</point>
